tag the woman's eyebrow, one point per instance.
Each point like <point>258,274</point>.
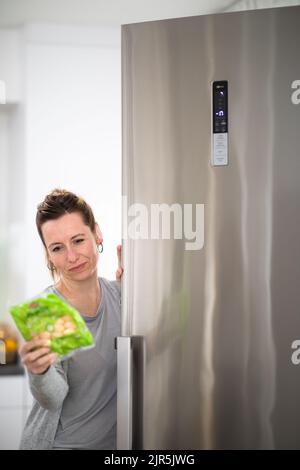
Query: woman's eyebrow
<point>74,236</point>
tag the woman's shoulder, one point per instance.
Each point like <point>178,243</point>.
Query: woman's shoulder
<point>113,287</point>
<point>47,290</point>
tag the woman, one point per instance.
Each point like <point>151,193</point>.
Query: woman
<point>75,399</point>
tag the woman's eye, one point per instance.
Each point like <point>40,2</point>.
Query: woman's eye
<point>58,248</point>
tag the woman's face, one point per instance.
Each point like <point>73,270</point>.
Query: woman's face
<point>72,246</point>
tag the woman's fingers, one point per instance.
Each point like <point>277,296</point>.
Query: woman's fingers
<point>119,271</point>
<point>32,345</point>
<point>36,356</point>
<point>45,360</point>
<point>33,356</point>
<point>119,254</point>
<point>40,364</point>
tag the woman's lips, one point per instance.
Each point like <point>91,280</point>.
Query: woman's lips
<point>78,268</point>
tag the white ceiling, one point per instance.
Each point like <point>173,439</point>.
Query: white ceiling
<point>116,12</point>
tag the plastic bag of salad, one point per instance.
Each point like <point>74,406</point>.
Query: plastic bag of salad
<point>50,318</point>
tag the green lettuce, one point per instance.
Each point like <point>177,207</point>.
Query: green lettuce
<point>50,318</point>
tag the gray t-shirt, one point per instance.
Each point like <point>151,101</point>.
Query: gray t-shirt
<point>88,416</point>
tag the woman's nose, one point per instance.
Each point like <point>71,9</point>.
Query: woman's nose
<point>72,255</point>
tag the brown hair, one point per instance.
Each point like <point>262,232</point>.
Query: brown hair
<point>56,204</point>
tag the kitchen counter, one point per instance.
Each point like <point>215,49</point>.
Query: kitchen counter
<point>12,369</point>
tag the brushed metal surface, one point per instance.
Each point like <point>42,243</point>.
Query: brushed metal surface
<point>218,323</point>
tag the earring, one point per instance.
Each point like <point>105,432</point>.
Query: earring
<point>51,266</point>
<point>101,248</point>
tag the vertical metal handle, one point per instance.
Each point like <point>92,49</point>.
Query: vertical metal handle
<point>124,393</point>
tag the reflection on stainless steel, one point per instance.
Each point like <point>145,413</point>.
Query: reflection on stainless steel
<point>218,323</point>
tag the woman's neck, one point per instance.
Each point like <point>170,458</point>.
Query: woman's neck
<point>84,295</point>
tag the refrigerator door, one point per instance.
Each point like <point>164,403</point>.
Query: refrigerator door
<point>218,322</point>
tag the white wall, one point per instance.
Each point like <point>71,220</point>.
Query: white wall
<point>12,207</point>
<point>10,63</point>
<point>73,132</point>
<point>11,171</point>
<point>61,127</point>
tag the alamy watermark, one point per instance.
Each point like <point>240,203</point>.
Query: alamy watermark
<point>295,358</point>
<point>164,222</point>
<point>2,353</point>
<point>295,96</point>
<point>295,346</point>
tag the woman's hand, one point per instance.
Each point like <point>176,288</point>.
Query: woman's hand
<point>119,271</point>
<point>36,356</point>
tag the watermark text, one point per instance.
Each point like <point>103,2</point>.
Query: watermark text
<point>164,222</point>
<point>295,96</point>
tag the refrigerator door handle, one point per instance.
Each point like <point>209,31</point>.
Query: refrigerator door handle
<point>124,393</point>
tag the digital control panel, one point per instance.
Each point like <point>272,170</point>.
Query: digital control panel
<point>220,123</point>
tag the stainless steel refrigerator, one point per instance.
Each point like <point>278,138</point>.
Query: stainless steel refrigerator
<point>208,357</point>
